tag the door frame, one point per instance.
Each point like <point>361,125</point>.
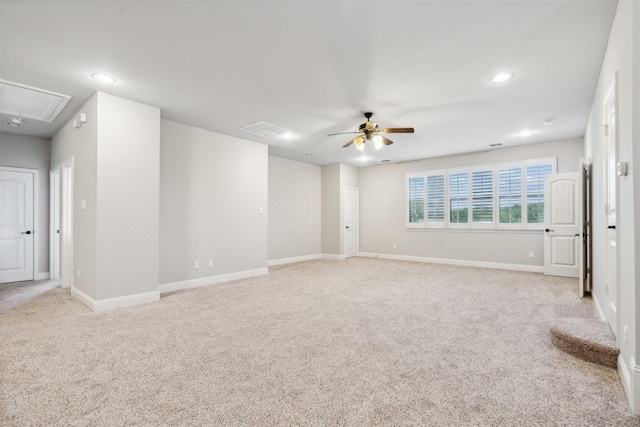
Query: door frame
<point>54,222</point>
<point>36,216</point>
<point>342,229</point>
<point>66,222</point>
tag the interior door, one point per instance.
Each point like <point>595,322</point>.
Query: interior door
<point>351,222</point>
<point>16,226</point>
<point>611,134</point>
<point>562,237</point>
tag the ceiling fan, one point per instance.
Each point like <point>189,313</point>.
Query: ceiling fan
<point>370,131</point>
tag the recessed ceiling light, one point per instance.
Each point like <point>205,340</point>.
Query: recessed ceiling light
<point>104,78</point>
<point>286,135</point>
<point>549,122</point>
<point>502,77</point>
<point>17,120</point>
<point>526,132</point>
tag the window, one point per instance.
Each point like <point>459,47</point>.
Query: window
<point>459,197</point>
<point>500,195</point>
<point>535,192</point>
<point>510,195</point>
<point>435,198</point>
<point>416,199</point>
<point>482,196</point>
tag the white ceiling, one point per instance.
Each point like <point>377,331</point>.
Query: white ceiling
<point>315,66</point>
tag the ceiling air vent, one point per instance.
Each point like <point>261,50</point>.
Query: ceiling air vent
<point>264,129</point>
<point>30,102</point>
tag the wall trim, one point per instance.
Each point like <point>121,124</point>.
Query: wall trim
<point>333,257</point>
<point>598,308</point>
<point>481,264</point>
<point>42,276</point>
<point>293,259</point>
<point>631,382</point>
<point>117,302</point>
<point>212,280</point>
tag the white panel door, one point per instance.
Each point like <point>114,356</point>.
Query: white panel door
<point>351,222</point>
<point>16,226</point>
<point>562,241</point>
<point>611,182</point>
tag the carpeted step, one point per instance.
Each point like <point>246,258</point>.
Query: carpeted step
<point>589,339</point>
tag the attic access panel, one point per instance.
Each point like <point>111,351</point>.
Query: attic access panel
<point>30,102</point>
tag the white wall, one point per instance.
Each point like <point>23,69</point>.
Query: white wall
<point>82,145</point>
<point>382,212</point>
<point>211,189</point>
<point>294,209</point>
<point>128,197</point>
<point>30,152</point>
<point>623,56</point>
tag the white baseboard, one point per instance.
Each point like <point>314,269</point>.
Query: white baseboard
<point>293,259</point>
<point>333,257</point>
<point>598,308</point>
<point>117,302</point>
<point>42,276</point>
<point>482,264</point>
<point>211,280</point>
<point>631,381</point>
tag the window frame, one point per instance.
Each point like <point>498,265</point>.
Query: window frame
<point>470,224</point>
<point>408,176</point>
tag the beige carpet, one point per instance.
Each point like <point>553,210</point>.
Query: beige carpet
<point>357,342</point>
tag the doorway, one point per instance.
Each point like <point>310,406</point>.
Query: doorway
<point>351,206</point>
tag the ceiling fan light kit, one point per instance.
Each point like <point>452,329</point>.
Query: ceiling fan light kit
<point>369,131</point>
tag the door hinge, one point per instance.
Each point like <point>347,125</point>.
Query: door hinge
<point>588,270</point>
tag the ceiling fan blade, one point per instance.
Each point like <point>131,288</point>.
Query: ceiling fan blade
<point>386,141</point>
<point>349,143</point>
<point>341,133</point>
<point>396,130</point>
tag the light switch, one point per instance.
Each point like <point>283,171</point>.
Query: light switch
<point>261,210</point>
<point>83,204</point>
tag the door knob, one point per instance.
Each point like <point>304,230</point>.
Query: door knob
<point>348,226</point>
<point>547,230</point>
<point>26,232</point>
<point>612,227</point>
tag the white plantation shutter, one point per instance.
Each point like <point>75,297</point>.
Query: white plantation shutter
<point>459,197</point>
<point>435,199</point>
<point>416,200</point>
<point>510,195</point>
<point>535,192</point>
<point>482,194</point>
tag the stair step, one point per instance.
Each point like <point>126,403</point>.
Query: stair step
<point>588,339</point>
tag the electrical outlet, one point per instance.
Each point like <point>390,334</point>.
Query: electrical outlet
<point>626,335</point>
<point>78,273</point>
<point>395,246</point>
<point>530,254</point>
<point>210,263</point>
<point>196,265</point>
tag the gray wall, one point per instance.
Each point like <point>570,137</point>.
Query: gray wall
<point>128,197</point>
<point>212,187</point>
<point>116,174</point>
<point>30,152</point>
<point>331,194</point>
<point>622,56</point>
<point>382,211</point>
<point>294,209</point>
<point>82,145</point>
